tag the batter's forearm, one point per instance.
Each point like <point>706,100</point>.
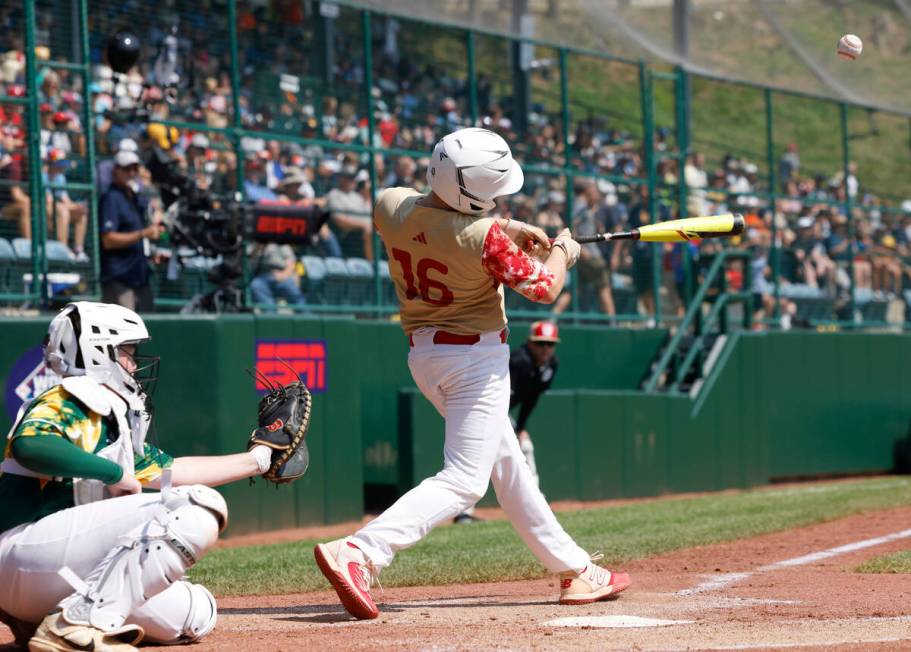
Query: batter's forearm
<point>212,471</point>
<point>56,457</point>
<point>556,265</point>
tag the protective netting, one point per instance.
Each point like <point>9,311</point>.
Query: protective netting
<point>784,43</point>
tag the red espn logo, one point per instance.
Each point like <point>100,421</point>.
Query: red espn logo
<point>307,359</point>
<point>281,225</point>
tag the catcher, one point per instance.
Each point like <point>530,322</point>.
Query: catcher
<point>88,561</point>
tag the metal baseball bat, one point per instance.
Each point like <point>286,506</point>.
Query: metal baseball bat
<point>691,228</point>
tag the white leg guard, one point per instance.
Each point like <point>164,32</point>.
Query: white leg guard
<point>528,449</point>
<point>149,559</point>
<point>182,613</point>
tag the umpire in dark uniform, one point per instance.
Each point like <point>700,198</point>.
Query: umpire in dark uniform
<point>532,368</point>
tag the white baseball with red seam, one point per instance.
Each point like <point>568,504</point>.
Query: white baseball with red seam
<point>850,46</point>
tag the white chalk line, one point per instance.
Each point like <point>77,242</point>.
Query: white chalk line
<point>726,579</point>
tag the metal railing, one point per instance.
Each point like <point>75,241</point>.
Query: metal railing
<point>701,325</point>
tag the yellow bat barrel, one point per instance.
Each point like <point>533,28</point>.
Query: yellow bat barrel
<point>693,228</point>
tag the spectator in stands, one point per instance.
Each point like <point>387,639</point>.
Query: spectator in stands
<point>594,268</point>
<point>697,181</point>
<point>788,166</point>
<point>352,214</point>
<point>838,247</point>
<point>816,268</point>
<point>15,203</point>
<point>255,188</point>
<point>612,214</point>
<point>642,255</point>
<point>887,265</point>
<point>123,228</point>
<point>403,175</point>
<point>55,132</point>
<point>196,154</point>
<point>275,276</point>
<point>62,211</point>
<point>550,216</point>
<point>763,289</point>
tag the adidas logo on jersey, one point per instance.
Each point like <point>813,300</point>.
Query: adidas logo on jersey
<point>420,237</point>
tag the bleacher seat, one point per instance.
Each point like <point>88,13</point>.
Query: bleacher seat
<point>360,285</point>
<point>801,291</point>
<point>389,296</point>
<point>873,305</point>
<point>862,296</point>
<point>58,252</point>
<point>7,256</point>
<point>6,250</point>
<point>23,248</point>
<point>335,286</point>
<point>314,275</point>
<point>819,308</point>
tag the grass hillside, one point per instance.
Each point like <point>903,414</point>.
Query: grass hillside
<point>733,39</point>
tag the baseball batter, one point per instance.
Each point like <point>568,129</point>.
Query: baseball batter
<point>450,262</point>
<point>87,561</point>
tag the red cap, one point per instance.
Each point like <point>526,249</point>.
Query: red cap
<point>544,331</point>
<point>61,116</point>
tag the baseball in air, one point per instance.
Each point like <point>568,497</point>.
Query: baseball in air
<point>850,46</point>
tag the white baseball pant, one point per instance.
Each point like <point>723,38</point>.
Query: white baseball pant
<point>86,537</point>
<point>469,386</point>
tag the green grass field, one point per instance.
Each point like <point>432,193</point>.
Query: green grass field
<point>899,562</point>
<point>491,551</point>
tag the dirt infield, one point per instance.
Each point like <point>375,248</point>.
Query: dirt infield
<point>769,592</point>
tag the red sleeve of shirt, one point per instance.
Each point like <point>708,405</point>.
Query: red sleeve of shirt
<point>508,264</point>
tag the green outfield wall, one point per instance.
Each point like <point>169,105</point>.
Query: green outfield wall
<point>776,405</point>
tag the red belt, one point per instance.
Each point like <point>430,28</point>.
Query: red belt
<point>442,337</point>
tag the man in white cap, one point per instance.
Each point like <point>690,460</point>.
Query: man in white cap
<point>123,228</point>
<point>105,169</point>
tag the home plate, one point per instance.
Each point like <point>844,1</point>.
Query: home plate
<point>613,621</point>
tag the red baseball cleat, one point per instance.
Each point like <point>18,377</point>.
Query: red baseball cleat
<point>350,573</point>
<point>592,584</point>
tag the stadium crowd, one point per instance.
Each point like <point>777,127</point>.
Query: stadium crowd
<point>414,104</point>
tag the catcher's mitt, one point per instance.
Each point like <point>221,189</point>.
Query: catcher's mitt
<point>284,416</point>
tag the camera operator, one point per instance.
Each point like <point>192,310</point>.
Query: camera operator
<point>124,267</point>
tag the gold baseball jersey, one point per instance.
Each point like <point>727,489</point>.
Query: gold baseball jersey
<point>435,263</point>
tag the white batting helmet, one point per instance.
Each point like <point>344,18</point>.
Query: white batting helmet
<point>470,167</point>
<point>82,340</point>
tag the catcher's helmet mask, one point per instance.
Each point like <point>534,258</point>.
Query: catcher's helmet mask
<point>83,330</point>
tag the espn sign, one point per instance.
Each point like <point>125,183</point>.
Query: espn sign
<point>284,361</point>
<point>293,227</point>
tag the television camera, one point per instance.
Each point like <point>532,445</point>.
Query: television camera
<point>200,223</point>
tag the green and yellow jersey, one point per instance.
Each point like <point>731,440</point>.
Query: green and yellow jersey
<point>77,434</point>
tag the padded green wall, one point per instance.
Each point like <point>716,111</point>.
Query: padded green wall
<point>775,405</point>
